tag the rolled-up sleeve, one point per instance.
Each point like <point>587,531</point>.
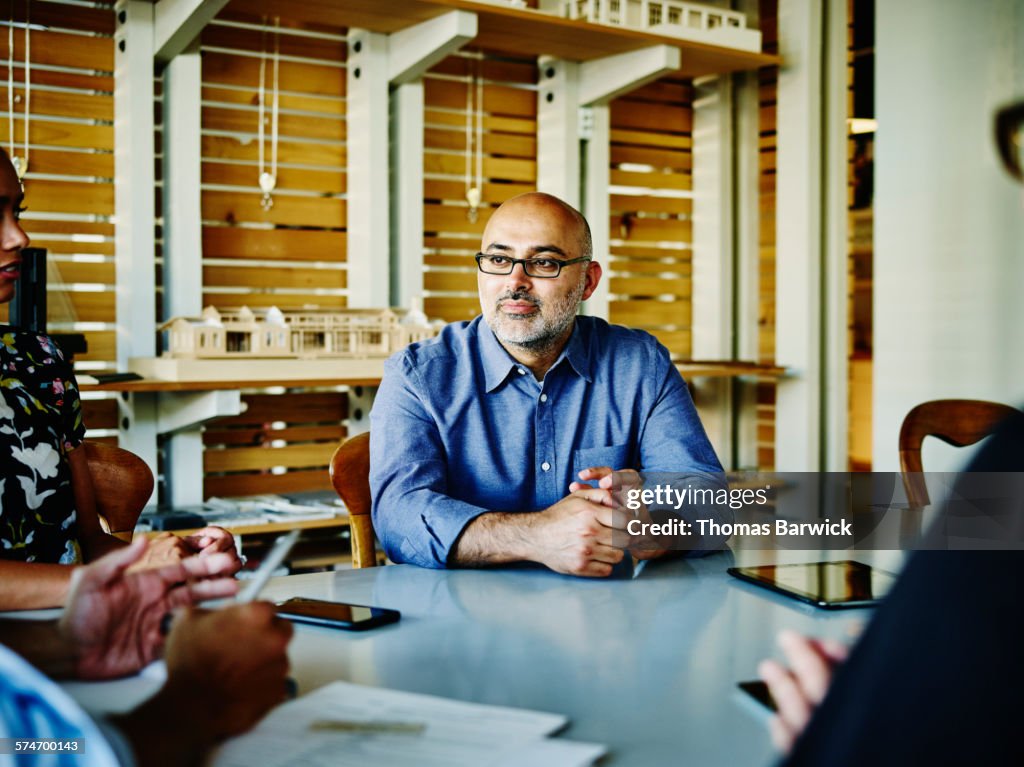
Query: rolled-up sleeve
<point>414,517</point>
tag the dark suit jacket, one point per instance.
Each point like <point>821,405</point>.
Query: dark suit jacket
<point>938,676</point>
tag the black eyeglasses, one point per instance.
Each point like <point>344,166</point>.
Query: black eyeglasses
<point>544,268</point>
<point>1010,138</point>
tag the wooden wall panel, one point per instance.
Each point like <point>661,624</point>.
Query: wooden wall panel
<point>68,188</point>
<point>509,164</point>
<point>280,443</point>
<point>291,256</point>
<point>768,81</point>
<point>251,255</point>
<point>649,264</point>
<point>63,49</point>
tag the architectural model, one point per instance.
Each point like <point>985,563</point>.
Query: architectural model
<point>672,18</point>
<point>304,334</point>
<point>264,345</point>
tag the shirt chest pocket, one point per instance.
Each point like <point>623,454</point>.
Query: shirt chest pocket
<point>614,456</point>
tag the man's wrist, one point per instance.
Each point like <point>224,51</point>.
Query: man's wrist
<point>45,645</point>
<point>159,736</point>
<point>495,537</point>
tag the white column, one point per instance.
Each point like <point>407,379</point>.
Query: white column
<point>836,363</point>
<point>597,83</point>
<point>178,23</point>
<point>134,182</point>
<point>183,233</point>
<point>360,400</point>
<point>407,193</point>
<point>747,269</point>
<point>368,196</point>
<point>798,237</point>
<point>558,146</point>
<point>713,246</point>
<point>183,247</point>
<point>596,208</point>
<point>411,53</point>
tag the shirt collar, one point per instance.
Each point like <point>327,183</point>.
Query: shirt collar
<point>498,364</point>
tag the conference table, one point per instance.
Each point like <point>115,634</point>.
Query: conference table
<point>646,665</point>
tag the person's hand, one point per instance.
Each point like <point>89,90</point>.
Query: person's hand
<point>214,540</point>
<point>168,548</point>
<point>228,667</point>
<point>225,670</point>
<point>799,690</point>
<point>618,483</point>
<point>163,549</point>
<point>112,618</point>
<point>575,535</point>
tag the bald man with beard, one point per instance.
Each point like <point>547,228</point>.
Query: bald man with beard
<point>508,438</point>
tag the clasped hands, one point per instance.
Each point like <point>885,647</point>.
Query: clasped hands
<point>168,548</point>
<point>586,532</point>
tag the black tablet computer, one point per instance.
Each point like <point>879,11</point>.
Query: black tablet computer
<point>832,585</point>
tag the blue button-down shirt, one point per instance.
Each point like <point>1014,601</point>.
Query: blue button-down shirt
<point>459,428</point>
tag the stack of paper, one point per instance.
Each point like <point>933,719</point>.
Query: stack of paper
<point>347,724</point>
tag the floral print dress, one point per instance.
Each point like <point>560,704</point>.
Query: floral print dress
<point>40,422</point>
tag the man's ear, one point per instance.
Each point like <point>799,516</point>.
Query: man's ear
<point>592,279</point>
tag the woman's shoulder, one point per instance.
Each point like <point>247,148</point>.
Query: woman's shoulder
<point>36,346</point>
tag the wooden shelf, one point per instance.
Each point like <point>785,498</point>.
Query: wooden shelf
<point>265,528</point>
<point>501,28</point>
<point>727,369</point>
<point>690,369</point>
<point>153,385</point>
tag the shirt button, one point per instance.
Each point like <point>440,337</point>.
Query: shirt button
<point>545,465</point>
<point>543,397</point>
<point>521,371</point>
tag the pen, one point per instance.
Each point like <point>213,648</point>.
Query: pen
<point>371,726</point>
<point>252,589</point>
<point>275,557</point>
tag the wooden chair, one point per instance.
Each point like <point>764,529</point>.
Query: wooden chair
<point>957,422</point>
<point>350,475</point>
<point>122,484</point>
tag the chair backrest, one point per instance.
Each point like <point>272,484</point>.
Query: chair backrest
<point>122,484</point>
<point>957,422</point>
<point>350,475</point>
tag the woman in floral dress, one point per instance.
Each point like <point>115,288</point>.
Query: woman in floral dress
<point>48,519</point>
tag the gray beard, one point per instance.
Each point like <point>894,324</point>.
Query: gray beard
<point>546,335</point>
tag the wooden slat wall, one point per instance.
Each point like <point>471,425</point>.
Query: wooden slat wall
<point>859,273</point>
<point>768,81</point>
<point>509,168</point>
<point>650,259</point>
<point>292,256</point>
<point>281,443</point>
<point>69,186</point>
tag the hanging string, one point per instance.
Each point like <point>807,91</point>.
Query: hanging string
<point>479,129</point>
<point>268,178</point>
<point>474,142</point>
<point>20,163</point>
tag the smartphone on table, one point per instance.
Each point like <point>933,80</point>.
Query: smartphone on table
<point>337,615</point>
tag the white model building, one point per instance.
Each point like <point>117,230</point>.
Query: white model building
<point>687,21</point>
<point>303,334</point>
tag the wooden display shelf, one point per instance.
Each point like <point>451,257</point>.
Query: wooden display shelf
<point>265,528</point>
<point>502,28</point>
<point>154,385</point>
<point>689,369</point>
<point>727,369</point>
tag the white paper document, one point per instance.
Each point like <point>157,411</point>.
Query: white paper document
<point>389,728</point>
